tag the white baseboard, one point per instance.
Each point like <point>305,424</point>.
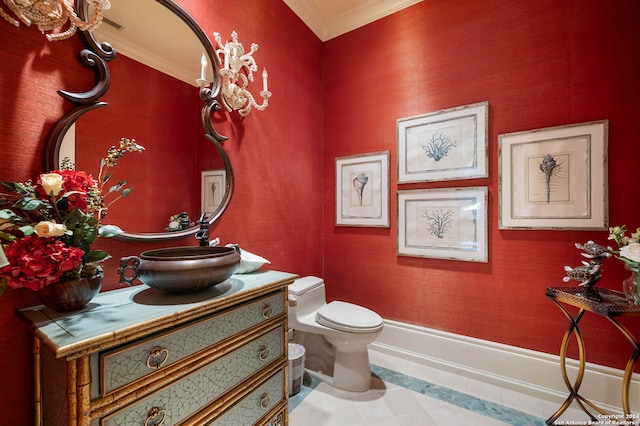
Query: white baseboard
<point>529,372</point>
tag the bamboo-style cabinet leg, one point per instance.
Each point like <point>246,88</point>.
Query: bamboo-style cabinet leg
<point>37,382</point>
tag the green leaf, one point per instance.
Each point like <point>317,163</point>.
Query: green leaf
<point>30,204</point>
<point>95,256</point>
<point>3,284</point>
<point>108,231</point>
<point>90,236</point>
<point>75,216</point>
<point>126,192</point>
<point>69,193</point>
<point>26,230</point>
<point>7,237</point>
<point>118,187</point>
<point>107,177</point>
<point>22,188</point>
<point>7,214</point>
<point>635,266</point>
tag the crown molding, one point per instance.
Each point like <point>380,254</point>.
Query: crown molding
<point>364,13</point>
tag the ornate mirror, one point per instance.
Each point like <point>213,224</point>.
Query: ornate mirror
<point>152,93</point>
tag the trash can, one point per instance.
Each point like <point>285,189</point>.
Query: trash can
<point>296,367</point>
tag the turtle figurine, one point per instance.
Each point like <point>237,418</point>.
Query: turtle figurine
<point>589,272</point>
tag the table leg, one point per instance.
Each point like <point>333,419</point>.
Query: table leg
<point>575,387</point>
<point>628,371</point>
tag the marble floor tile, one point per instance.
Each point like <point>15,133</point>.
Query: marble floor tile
<point>405,393</point>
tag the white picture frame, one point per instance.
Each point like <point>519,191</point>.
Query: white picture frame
<point>213,187</point>
<point>443,223</point>
<point>362,190</point>
<point>444,145</point>
<point>554,178</point>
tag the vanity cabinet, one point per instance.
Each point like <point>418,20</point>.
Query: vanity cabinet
<point>140,356</point>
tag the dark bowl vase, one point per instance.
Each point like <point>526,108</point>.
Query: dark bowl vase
<point>180,269</point>
<point>69,296</point>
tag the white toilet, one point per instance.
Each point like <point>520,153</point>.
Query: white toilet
<point>335,335</point>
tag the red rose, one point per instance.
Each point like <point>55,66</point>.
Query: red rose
<point>36,262</point>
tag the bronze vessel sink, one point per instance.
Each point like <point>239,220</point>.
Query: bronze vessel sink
<point>180,269</point>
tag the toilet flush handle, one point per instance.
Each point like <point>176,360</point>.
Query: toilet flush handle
<point>292,301</point>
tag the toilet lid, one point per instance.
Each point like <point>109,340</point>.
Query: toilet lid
<point>348,317</point>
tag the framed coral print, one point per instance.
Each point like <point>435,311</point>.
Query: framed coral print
<point>213,189</point>
<point>362,190</point>
<point>444,223</point>
<point>443,145</point>
<point>554,178</point>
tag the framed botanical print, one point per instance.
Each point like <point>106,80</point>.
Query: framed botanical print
<point>444,223</point>
<point>444,145</point>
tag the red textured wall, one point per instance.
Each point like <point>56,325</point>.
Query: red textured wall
<point>276,210</point>
<point>538,64</point>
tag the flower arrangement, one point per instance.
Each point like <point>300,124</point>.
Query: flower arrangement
<point>629,249</point>
<point>178,222</point>
<point>629,246</point>
<point>47,226</point>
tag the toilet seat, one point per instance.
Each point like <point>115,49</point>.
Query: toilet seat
<point>348,317</point>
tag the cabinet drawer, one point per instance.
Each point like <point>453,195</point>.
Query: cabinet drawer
<point>184,397</point>
<point>126,364</point>
<point>255,405</point>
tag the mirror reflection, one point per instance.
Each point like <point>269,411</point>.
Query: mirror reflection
<point>154,99</point>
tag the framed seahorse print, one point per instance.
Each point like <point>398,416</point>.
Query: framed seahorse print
<point>362,190</point>
<point>444,145</point>
<point>554,178</point>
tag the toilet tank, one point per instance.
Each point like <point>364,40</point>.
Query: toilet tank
<point>307,294</point>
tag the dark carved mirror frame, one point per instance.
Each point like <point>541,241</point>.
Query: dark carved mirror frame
<point>96,55</point>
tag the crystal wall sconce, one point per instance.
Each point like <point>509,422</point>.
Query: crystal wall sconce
<point>237,68</point>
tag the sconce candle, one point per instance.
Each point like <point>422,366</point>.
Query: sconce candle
<point>202,81</point>
<point>203,62</point>
<point>236,74</point>
<point>264,80</point>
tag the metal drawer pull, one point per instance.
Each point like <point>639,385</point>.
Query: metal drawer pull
<point>265,401</point>
<point>153,361</point>
<point>267,310</point>
<point>153,414</point>
<point>264,352</point>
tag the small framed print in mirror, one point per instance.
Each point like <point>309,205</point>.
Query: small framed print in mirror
<point>213,188</point>
<point>444,223</point>
<point>362,190</point>
<point>554,178</point>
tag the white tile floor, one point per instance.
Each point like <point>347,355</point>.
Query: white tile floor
<point>421,396</point>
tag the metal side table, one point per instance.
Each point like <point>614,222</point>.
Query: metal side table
<point>612,306</point>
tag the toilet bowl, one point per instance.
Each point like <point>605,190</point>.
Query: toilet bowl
<point>335,335</point>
